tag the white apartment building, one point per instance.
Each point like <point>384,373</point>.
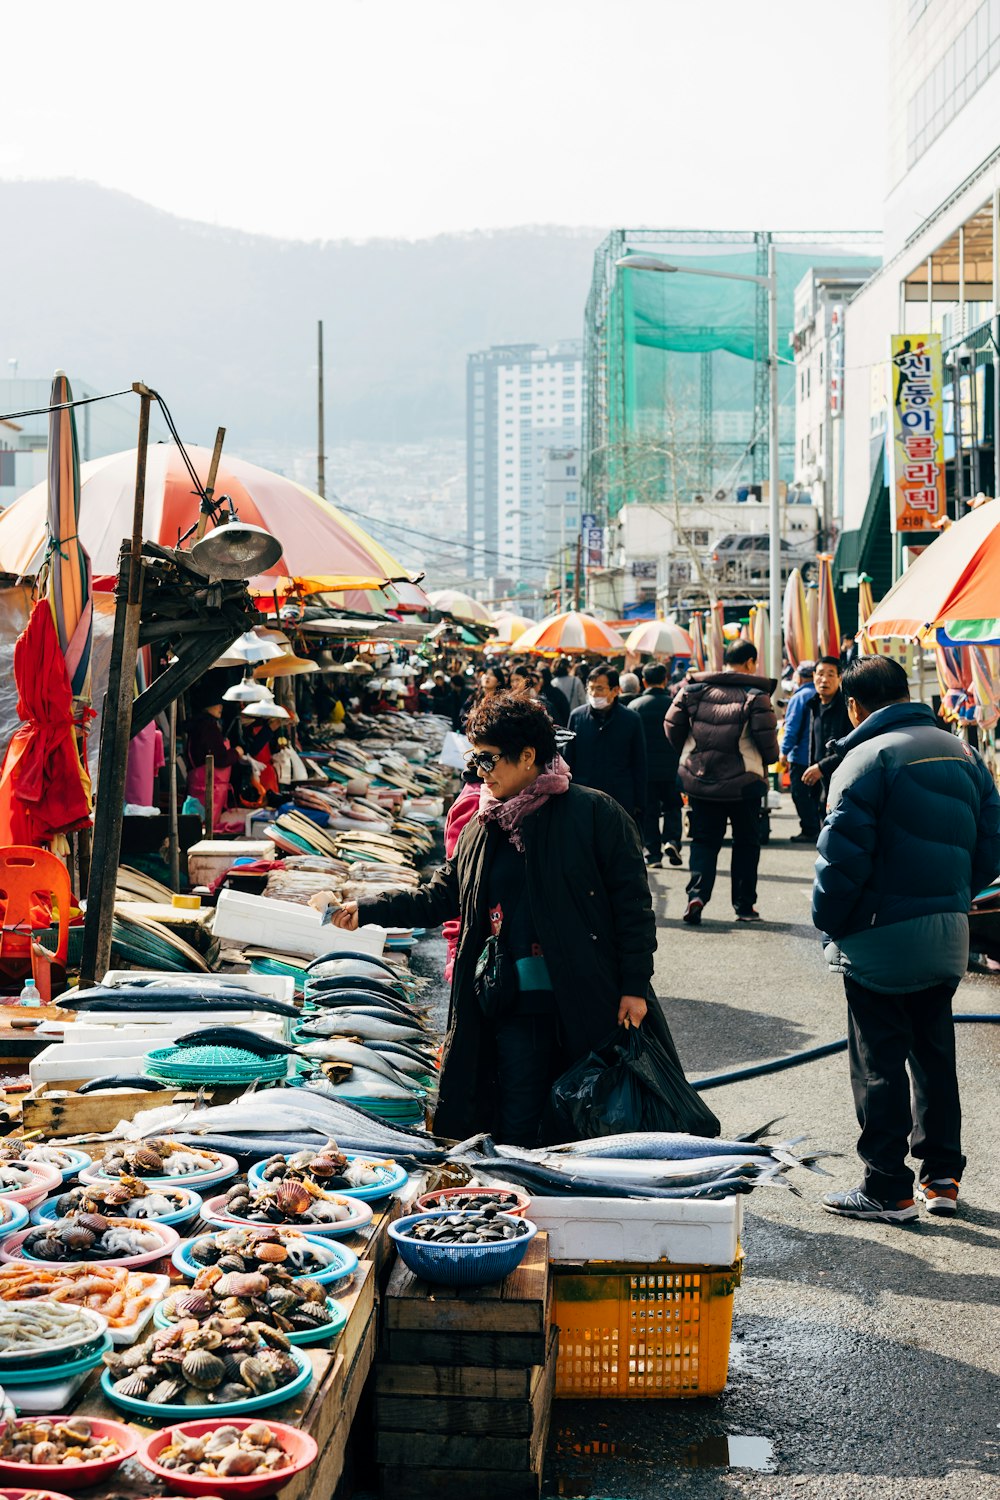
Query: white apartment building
<point>817,341</point>
<point>561,508</point>
<point>942,232</point>
<point>523,400</point>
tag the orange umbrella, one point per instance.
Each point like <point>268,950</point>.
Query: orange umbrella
<point>572,634</point>
<point>827,621</point>
<point>321,547</point>
<point>866,647</point>
<point>954,584</point>
<point>510,627</point>
<point>697,625</point>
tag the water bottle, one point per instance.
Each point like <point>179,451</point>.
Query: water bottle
<point>30,995</point>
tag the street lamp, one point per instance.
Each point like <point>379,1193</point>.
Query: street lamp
<point>770,282</point>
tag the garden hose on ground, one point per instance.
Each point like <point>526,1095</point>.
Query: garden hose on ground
<point>811,1054</point>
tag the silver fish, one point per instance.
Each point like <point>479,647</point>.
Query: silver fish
<point>365,1085</point>
<point>370,1028</point>
<point>669,1146</point>
<point>342,1050</point>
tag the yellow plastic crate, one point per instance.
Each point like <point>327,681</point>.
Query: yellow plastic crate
<point>644,1331</point>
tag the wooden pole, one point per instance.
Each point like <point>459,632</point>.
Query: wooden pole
<point>209,796</point>
<point>116,727</point>
<point>213,474</point>
<point>321,421</point>
<point>175,846</point>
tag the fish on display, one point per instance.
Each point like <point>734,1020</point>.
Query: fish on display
<point>330,985</point>
<point>406,1059</point>
<point>112,1083</point>
<point>368,1005</point>
<point>347,962</point>
<point>277,1111</point>
<point>177,998</point>
<point>576,1183</point>
<point>352,1052</point>
<point>235,1036</point>
<point>674,1146</point>
<point>332,999</point>
<point>371,1028</point>
<point>363,1085</point>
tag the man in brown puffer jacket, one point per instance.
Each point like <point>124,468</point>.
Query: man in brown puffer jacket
<point>722,725</point>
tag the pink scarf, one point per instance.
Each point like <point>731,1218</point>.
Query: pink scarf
<point>551,781</point>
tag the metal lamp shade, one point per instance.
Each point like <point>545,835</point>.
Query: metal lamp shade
<point>236,550</point>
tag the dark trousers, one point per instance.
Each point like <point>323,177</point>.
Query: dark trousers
<point>708,829</point>
<point>885,1032</point>
<point>664,811</point>
<point>528,1064</point>
<point>806,799</point>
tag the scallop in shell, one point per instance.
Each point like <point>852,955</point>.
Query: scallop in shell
<point>147,1160</point>
<point>272,1252</point>
<point>165,1392</point>
<point>95,1222</point>
<point>203,1369</point>
<point>133,1384</point>
<point>292,1198</point>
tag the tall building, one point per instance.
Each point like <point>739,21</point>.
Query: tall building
<point>521,401</point>
<point>562,512</point>
<point>817,341</point>
<point>942,268</point>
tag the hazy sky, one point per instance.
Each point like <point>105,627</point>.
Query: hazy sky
<point>356,118</point>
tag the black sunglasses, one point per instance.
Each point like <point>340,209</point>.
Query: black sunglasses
<point>483,760</point>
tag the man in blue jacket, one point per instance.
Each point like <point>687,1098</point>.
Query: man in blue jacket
<point>795,754</point>
<point>912,833</point>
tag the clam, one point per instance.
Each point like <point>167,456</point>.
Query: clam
<point>237,1462</point>
<point>231,1262</point>
<point>203,1369</point>
<point>204,1253</point>
<point>258,1375</point>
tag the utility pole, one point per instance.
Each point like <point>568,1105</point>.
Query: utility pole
<point>774,547</point>
<point>578,575</point>
<point>321,445</point>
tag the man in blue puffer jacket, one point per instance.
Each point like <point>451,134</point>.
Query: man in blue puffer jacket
<point>911,835</point>
<point>795,754</point>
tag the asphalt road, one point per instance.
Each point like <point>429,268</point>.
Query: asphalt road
<point>865,1357</point>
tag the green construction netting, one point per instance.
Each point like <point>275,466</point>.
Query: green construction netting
<point>680,354</point>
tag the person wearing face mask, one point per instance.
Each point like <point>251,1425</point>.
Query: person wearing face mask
<point>554,872</point>
<point>608,752</point>
<point>829,722</point>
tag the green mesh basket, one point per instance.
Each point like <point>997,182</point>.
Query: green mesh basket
<point>213,1065</point>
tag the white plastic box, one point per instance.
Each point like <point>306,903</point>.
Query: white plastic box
<point>286,927</point>
<point>686,1231</point>
<point>210,858</point>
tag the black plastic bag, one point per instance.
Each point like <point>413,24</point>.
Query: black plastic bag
<point>634,1082</point>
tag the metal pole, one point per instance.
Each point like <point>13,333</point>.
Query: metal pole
<point>209,796</point>
<point>996,341</point>
<point>577,574</point>
<point>175,845</point>
<point>116,728</point>
<point>321,449</point>
<point>774,592</point>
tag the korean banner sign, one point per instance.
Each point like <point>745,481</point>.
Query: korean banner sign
<point>918,432</point>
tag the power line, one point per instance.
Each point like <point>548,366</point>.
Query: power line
<point>43,411</point>
<point>451,541</point>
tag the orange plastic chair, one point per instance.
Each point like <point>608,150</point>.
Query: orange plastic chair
<point>32,881</point>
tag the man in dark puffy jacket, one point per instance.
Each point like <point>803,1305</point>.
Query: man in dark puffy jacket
<point>722,725</point>
<point>608,751</point>
<point>664,807</point>
<point>912,834</point>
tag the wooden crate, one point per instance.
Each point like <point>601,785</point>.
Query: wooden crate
<point>91,1114</point>
<point>504,1325</point>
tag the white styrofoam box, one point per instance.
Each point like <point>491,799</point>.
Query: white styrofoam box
<point>686,1231</point>
<point>287,927</point>
<point>155,1033</point>
<point>210,858</point>
<point>273,986</point>
<point>86,1060</point>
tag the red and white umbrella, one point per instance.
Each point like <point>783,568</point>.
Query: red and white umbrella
<point>572,634</point>
<point>322,548</point>
<point>660,638</point>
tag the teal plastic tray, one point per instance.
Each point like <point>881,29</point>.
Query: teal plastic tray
<point>300,1335</point>
<point>45,1374</point>
<point>154,1413</point>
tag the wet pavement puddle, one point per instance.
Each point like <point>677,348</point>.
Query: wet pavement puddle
<point>717,1451</point>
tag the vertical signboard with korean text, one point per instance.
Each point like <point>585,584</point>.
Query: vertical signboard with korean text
<point>918,433</point>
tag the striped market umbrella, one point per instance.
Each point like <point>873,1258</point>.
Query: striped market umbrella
<point>510,627</point>
<point>697,630</point>
<point>460,606</point>
<point>952,587</point>
<point>954,673</point>
<point>321,547</point>
<point>985,685</point>
<point>800,643</point>
<point>827,621</point>
<point>68,565</point>
<point>660,638</point>
<point>572,633</point>
<point>866,646</point>
<point>716,642</point>
<point>760,634</point>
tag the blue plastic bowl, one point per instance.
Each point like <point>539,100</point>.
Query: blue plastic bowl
<point>190,1211</point>
<point>15,1216</point>
<point>81,1160</point>
<point>459,1265</point>
<point>338,1263</point>
<point>392,1177</point>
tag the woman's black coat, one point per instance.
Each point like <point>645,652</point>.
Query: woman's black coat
<point>590,903</point>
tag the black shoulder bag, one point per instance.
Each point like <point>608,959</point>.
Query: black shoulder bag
<point>495,983</point>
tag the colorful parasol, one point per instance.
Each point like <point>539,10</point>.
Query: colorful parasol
<point>321,547</point>
<point>460,606</point>
<point>953,586</point>
<point>800,643</point>
<point>572,633</point>
<point>660,638</point>
<point>41,791</point>
<point>510,627</point>
<point>697,633</point>
<point>716,641</point>
<point>866,646</point>
<point>68,581</point>
<point>827,621</point>
<point>760,634</point>
<point>954,673</point>
<point>985,685</point>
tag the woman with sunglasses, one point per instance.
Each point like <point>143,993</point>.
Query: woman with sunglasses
<point>555,874</point>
